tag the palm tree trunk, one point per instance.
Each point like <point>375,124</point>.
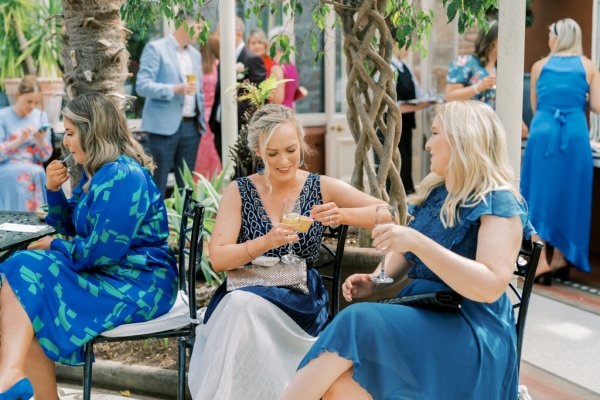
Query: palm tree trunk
<point>94,49</point>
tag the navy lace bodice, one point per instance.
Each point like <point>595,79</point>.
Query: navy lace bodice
<point>462,237</point>
<point>256,221</point>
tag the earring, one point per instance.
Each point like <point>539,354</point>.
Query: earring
<point>301,163</point>
<point>260,167</point>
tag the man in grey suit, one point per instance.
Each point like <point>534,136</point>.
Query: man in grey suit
<point>170,78</point>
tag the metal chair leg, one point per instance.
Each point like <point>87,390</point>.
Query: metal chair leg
<point>87,371</point>
<point>181,371</point>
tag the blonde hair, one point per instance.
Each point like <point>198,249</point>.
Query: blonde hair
<point>264,124</point>
<point>260,35</point>
<point>478,161</point>
<point>568,37</point>
<point>103,133</point>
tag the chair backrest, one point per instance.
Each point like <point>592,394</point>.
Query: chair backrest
<point>190,247</point>
<point>526,266</point>
<point>333,259</point>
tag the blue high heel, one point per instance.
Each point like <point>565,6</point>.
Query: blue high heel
<point>22,390</point>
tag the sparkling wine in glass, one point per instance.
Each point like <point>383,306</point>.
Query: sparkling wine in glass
<point>384,215</point>
<point>291,217</point>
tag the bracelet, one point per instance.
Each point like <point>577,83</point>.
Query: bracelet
<point>474,87</point>
<point>248,251</point>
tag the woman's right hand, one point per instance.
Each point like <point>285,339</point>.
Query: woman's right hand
<point>56,175</point>
<point>358,286</point>
<point>280,235</point>
<point>489,82</point>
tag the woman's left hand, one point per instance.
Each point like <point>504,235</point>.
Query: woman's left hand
<point>327,214</point>
<point>397,238</point>
<point>41,244</point>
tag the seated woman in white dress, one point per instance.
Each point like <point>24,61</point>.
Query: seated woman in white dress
<point>253,338</point>
<point>469,220</point>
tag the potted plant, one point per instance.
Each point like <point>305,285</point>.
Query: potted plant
<point>29,44</point>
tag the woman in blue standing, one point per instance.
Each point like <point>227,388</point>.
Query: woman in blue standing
<point>58,295</point>
<point>465,236</point>
<point>558,169</point>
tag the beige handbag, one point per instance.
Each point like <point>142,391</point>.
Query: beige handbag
<point>292,276</point>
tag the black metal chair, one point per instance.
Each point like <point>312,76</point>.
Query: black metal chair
<point>330,264</point>
<point>526,265</point>
<point>181,321</point>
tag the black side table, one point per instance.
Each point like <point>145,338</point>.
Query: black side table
<point>11,241</point>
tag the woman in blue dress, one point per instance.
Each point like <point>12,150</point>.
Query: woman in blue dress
<point>557,175</point>
<point>59,294</point>
<point>253,338</point>
<point>465,236</point>
<point>23,149</point>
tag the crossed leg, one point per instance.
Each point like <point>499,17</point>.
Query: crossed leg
<point>21,354</point>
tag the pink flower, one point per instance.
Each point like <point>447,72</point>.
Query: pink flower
<point>32,205</point>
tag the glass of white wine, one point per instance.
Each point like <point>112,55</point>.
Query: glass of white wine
<point>291,217</point>
<point>384,215</point>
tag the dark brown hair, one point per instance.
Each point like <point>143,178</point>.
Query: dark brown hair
<point>484,42</point>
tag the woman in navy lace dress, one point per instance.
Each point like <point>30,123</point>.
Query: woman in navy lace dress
<point>253,338</point>
<point>467,229</point>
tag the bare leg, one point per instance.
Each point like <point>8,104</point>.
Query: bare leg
<point>40,371</point>
<point>17,334</point>
<point>543,265</point>
<point>346,388</point>
<point>314,379</point>
<point>558,260</point>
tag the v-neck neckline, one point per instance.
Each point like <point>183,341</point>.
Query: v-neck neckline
<point>262,205</point>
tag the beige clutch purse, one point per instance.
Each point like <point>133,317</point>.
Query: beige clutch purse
<point>292,276</point>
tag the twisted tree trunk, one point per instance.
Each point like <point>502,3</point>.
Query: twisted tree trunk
<point>94,48</point>
<point>371,96</point>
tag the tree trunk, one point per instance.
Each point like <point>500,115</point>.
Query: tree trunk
<point>371,96</point>
<point>94,49</point>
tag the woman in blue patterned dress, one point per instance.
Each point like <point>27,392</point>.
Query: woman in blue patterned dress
<point>465,236</point>
<point>23,149</point>
<point>557,178</point>
<point>473,76</point>
<point>60,294</point>
<point>253,338</point>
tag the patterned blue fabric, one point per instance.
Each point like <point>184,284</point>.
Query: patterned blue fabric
<point>21,172</point>
<point>402,352</point>
<point>467,70</point>
<point>118,268</point>
<point>557,175</point>
<point>308,311</point>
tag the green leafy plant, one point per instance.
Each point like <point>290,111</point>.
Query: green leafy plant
<point>208,193</point>
<point>29,38</point>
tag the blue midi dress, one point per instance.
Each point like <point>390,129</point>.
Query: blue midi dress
<point>22,174</point>
<point>118,268</point>
<point>308,311</point>
<point>401,352</point>
<point>557,174</point>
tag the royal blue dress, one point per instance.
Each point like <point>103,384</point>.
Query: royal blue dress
<point>557,174</point>
<point>118,268</point>
<point>401,352</point>
<point>308,311</point>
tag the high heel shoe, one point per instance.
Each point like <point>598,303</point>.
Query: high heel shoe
<point>545,279</point>
<point>22,390</point>
<point>562,273</point>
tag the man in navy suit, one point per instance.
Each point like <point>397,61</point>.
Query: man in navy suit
<point>253,71</point>
<point>170,78</point>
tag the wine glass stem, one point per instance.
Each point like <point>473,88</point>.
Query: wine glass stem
<point>382,272</point>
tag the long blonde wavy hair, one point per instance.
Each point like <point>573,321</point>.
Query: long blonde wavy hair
<point>103,133</point>
<point>478,161</point>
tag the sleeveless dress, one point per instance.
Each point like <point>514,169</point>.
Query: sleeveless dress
<point>253,338</point>
<point>400,352</point>
<point>117,270</point>
<point>207,159</point>
<point>557,174</point>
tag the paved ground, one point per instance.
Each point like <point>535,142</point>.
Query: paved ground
<point>69,392</point>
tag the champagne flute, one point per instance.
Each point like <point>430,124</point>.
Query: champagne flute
<point>384,215</point>
<point>291,217</point>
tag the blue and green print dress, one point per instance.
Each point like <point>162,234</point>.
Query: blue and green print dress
<point>117,269</point>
